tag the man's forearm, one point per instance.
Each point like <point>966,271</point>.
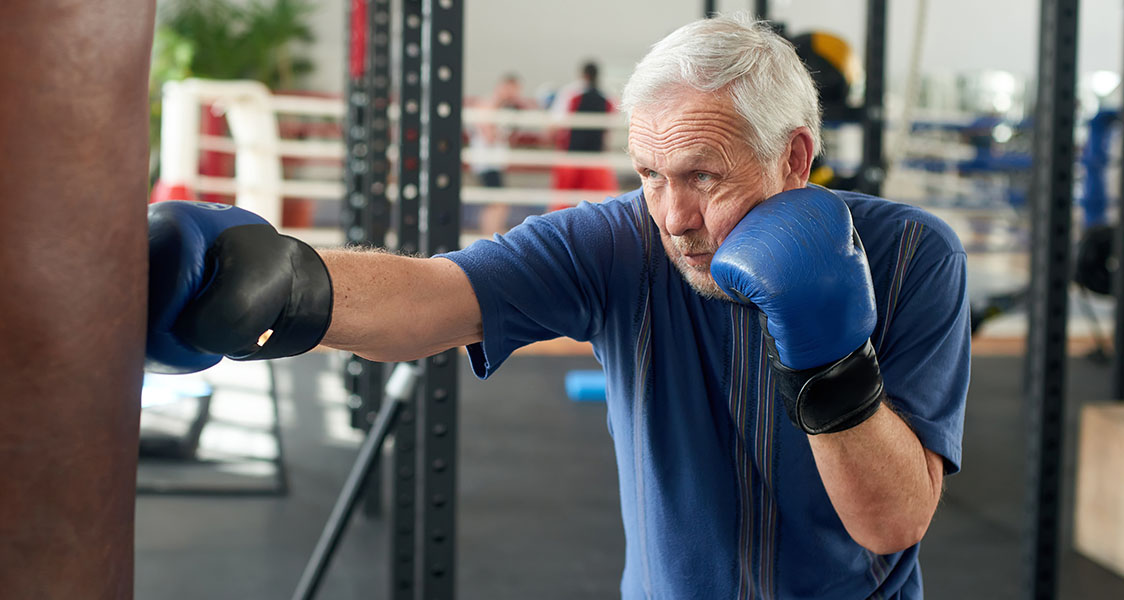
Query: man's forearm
<point>882,482</point>
<point>392,308</point>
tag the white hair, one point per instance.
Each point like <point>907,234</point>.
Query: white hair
<point>758,69</point>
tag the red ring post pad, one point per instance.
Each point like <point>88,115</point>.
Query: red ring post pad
<point>179,234</point>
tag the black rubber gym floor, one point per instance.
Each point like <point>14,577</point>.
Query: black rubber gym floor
<point>538,514</point>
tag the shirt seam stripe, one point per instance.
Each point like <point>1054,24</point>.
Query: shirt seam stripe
<point>739,384</point>
<point>643,364</point>
<point>910,240</point>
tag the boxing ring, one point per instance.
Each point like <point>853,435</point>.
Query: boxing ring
<point>256,141</point>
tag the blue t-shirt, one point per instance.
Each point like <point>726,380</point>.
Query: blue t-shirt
<point>720,496</point>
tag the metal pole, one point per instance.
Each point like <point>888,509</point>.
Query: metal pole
<point>404,510</point>
<point>400,387</point>
<point>1118,292</point>
<point>409,128</point>
<point>442,44</point>
<point>345,504</point>
<point>873,169</point>
<point>761,9</point>
<point>365,213</point>
<point>1050,268</point>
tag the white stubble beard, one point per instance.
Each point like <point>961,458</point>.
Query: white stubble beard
<point>699,278</point>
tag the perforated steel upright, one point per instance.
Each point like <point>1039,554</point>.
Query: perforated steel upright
<point>1118,291</point>
<point>442,43</point>
<point>426,218</point>
<point>1052,203</point>
<point>406,220</point>
<point>873,169</point>
<point>404,509</point>
<point>365,213</point>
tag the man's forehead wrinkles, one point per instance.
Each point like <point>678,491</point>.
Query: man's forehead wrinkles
<point>705,144</point>
<point>685,127</point>
<point>685,158</point>
<point>706,132</point>
<point>686,137</point>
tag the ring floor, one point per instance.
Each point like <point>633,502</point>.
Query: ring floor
<point>539,512</point>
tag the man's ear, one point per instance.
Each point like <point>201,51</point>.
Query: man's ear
<point>796,161</point>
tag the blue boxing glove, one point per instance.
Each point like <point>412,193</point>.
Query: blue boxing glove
<point>797,258</point>
<point>222,281</point>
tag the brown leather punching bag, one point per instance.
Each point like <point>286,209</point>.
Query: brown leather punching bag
<point>73,252</point>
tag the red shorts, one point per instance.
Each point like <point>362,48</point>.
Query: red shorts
<point>582,178</point>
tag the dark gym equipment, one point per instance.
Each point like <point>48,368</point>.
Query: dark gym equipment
<point>427,221</point>
<point>834,85</point>
<point>176,420</point>
<point>399,391</point>
<point>873,170</point>
<point>1093,269</point>
<point>1052,202</point>
<point>365,216</point>
<point>1118,290</point>
<point>826,57</point>
<point>177,460</point>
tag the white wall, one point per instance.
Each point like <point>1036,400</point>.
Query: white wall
<point>329,52</point>
<point>544,41</point>
<point>965,35</point>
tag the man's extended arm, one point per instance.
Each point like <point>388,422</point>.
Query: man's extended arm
<point>393,308</point>
<point>225,283</point>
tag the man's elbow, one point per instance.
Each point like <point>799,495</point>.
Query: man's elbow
<point>892,528</point>
<point>892,539</point>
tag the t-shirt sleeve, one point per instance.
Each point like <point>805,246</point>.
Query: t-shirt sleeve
<point>546,278</point>
<point>925,354</point>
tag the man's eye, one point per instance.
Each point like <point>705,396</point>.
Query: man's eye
<point>650,174</point>
<point>700,176</point>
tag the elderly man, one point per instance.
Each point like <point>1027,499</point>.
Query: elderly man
<point>787,366</point>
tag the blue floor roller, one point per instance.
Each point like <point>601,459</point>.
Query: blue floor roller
<point>586,386</point>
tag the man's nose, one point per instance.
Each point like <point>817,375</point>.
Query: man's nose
<point>683,214</point>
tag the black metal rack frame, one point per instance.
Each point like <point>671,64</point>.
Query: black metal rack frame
<point>425,77</point>
<point>1051,205</point>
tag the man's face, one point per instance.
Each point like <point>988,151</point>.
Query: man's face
<point>700,178</point>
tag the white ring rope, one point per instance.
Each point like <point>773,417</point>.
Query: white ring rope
<point>543,119</point>
<point>334,190</point>
<point>333,150</point>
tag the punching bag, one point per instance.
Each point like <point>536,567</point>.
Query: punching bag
<point>73,184</point>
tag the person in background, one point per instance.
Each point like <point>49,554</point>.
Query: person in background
<point>583,97</point>
<point>488,143</point>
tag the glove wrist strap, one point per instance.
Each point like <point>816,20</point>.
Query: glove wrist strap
<point>308,313</point>
<point>834,397</point>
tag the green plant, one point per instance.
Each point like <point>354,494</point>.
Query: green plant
<point>254,41</point>
<point>223,39</point>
